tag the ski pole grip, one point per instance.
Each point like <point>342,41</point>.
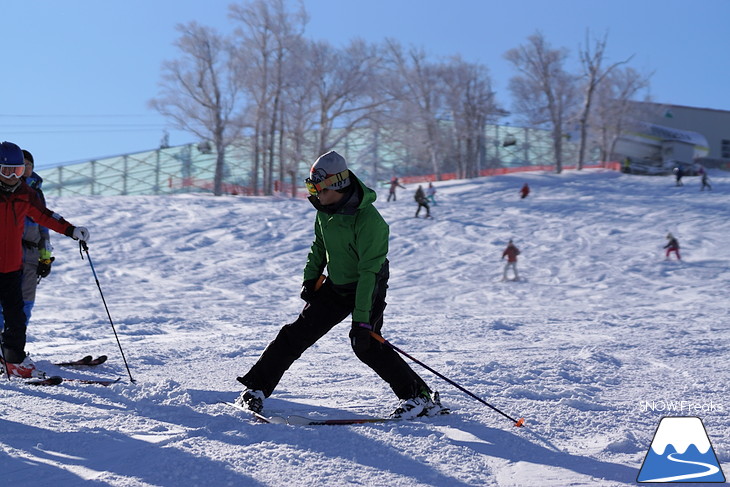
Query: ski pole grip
<point>377,337</point>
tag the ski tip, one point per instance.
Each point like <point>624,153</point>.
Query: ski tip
<point>520,423</point>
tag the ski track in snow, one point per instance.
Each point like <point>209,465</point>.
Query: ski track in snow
<point>197,286</point>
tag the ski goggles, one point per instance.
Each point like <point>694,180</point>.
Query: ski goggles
<point>8,171</point>
<point>315,188</point>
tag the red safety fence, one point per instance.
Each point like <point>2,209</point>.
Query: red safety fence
<point>285,189</point>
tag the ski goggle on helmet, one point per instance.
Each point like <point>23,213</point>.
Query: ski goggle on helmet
<point>314,188</point>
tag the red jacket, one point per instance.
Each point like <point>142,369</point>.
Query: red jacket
<point>511,252</point>
<point>14,207</point>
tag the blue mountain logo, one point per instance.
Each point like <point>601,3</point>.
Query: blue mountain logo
<point>681,452</point>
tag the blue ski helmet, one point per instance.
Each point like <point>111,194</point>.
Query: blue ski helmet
<point>11,155</point>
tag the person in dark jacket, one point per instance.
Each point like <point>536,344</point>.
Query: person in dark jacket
<point>420,198</point>
<point>678,174</point>
<point>705,181</point>
<point>18,200</point>
<point>351,242</point>
<point>672,246</point>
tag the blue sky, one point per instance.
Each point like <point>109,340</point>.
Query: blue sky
<point>78,74</point>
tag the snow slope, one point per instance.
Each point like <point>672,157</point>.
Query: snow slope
<point>592,347</point>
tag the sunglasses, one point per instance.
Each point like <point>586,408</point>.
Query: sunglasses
<point>12,171</point>
<point>315,188</point>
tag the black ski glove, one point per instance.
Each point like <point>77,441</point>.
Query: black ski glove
<point>308,289</point>
<point>44,267</point>
<point>360,336</point>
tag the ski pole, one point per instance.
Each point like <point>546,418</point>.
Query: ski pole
<point>517,422</point>
<point>82,245</point>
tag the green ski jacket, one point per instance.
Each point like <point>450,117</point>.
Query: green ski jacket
<point>351,241</point>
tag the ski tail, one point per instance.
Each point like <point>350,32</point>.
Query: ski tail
<point>48,381</point>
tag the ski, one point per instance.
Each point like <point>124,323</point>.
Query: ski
<point>295,420</point>
<point>48,381</point>
<point>55,380</point>
<point>81,361</point>
<point>88,360</point>
<point>257,416</point>
<point>101,382</point>
<point>304,421</point>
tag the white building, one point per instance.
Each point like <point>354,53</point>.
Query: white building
<point>713,124</point>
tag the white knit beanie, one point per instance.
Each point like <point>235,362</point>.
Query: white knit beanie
<point>328,165</point>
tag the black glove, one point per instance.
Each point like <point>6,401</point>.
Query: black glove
<point>308,289</point>
<point>44,267</point>
<point>360,336</point>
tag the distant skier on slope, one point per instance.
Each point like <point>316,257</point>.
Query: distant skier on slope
<point>351,241</point>
<point>705,180</point>
<point>678,173</point>
<point>420,198</point>
<point>511,252</point>
<point>672,246</point>
<point>431,193</point>
<point>394,183</point>
<point>524,191</point>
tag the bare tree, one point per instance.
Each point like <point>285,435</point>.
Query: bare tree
<point>299,113</point>
<point>417,85</point>
<point>265,38</point>
<point>200,91</point>
<point>544,93</point>
<point>592,59</point>
<point>615,111</point>
<point>471,102</point>
<point>346,92</point>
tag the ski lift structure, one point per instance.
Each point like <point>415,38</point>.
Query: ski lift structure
<point>509,140</point>
<point>520,146</point>
<point>191,167</point>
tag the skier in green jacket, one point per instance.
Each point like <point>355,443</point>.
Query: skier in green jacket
<point>351,242</point>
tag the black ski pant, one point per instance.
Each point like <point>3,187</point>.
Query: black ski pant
<point>327,309</point>
<point>11,299</point>
<point>423,204</point>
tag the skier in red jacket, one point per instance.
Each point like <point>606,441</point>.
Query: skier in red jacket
<point>18,200</point>
<point>511,252</point>
<point>525,191</point>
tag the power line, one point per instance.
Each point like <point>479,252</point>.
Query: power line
<point>80,125</point>
<point>25,115</point>
<point>79,131</point>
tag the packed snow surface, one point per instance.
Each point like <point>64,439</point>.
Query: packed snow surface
<point>599,340</point>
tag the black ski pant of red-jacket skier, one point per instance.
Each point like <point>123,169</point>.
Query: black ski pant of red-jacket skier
<point>319,316</point>
<point>11,299</point>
